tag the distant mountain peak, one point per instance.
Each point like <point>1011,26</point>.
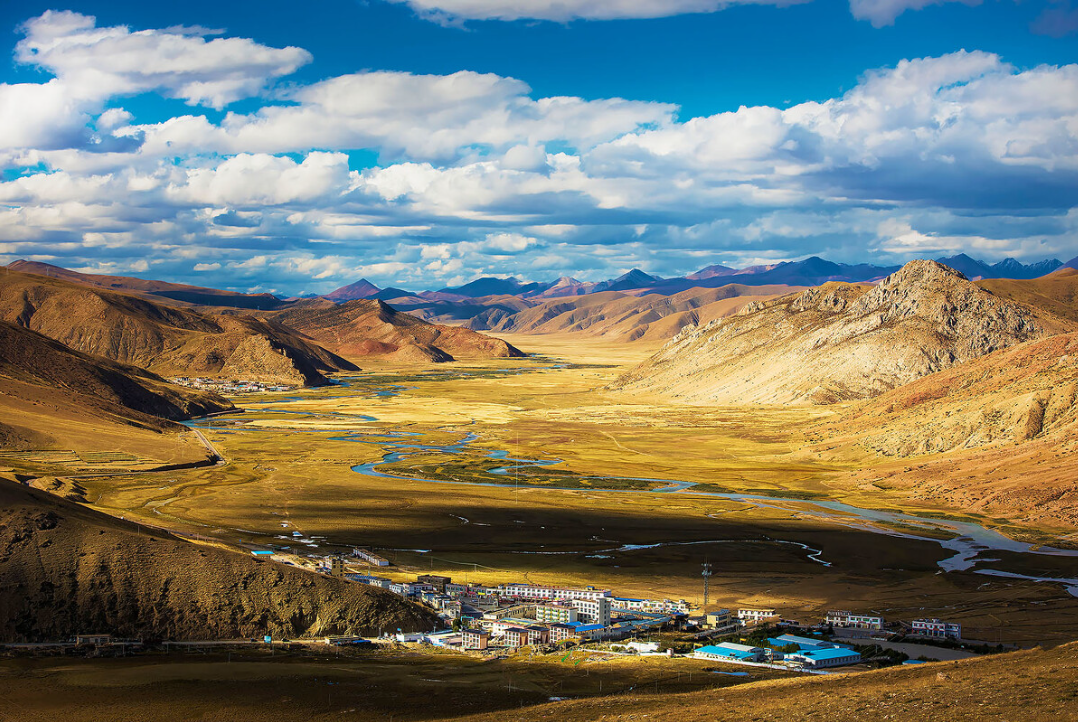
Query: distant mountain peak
<point>360,289</point>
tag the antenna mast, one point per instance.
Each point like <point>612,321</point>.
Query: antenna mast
<point>706,574</point>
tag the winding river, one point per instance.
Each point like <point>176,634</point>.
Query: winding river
<point>968,542</point>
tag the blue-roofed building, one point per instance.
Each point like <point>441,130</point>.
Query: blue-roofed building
<point>591,631</point>
<point>819,658</point>
<point>804,642</point>
<point>729,651</point>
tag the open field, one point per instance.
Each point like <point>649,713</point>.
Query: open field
<point>290,469</point>
<point>400,685</point>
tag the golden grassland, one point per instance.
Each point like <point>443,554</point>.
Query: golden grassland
<point>292,471</point>
<point>406,685</point>
<point>396,684</point>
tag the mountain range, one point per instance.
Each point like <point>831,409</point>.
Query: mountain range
<point>808,272</point>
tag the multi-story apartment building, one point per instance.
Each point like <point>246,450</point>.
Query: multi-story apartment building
<point>593,611</point>
<point>534,591</point>
<point>556,613</point>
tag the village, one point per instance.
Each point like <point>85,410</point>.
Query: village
<point>516,617</point>
<point>228,386</point>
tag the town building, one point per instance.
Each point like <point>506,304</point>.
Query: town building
<point>593,611</point>
<point>562,632</point>
<point>535,591</point>
<point>842,618</point>
<point>936,629</point>
<point>817,657</point>
<point>370,557</point>
<point>475,638</point>
<point>722,620</point>
<point>655,606</point>
<point>556,613</point>
<point>380,582</point>
<point>730,651</point>
<point>592,631</point>
<point>786,640</point>
<point>756,616</point>
<point>409,589</point>
<point>436,581</point>
<point>523,636</point>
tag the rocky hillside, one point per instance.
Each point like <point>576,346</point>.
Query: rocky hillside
<point>370,328</point>
<point>65,569</point>
<point>838,341</point>
<point>623,316</point>
<point>1014,395</point>
<point>164,339</point>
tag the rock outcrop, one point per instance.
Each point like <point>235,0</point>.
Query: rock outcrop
<point>837,342</point>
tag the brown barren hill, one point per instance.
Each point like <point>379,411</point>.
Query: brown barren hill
<point>837,342</point>
<point>164,339</point>
<point>48,392</point>
<point>66,569</point>
<point>997,435</point>
<point>161,291</point>
<point>1055,294</point>
<point>626,317</point>
<point>370,328</point>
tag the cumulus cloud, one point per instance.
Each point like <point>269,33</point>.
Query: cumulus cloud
<point>95,63</point>
<point>479,176</point>
<point>430,117</point>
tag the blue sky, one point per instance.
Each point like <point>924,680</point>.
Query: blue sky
<point>427,142</point>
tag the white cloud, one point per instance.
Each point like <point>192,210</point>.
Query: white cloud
<point>884,12</point>
<point>566,10</point>
<point>436,117</point>
<point>207,266</point>
<point>96,63</point>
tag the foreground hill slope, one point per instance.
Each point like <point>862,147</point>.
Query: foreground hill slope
<point>1028,685</point>
<point>838,341</point>
<point>66,569</point>
<point>625,317</point>
<point>48,392</point>
<point>163,339</point>
<point>370,328</point>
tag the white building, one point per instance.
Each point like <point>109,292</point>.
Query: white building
<point>842,618</point>
<point>755,616</point>
<point>534,591</point>
<point>593,611</point>
<point>370,557</point>
<point>936,628</point>
<point>653,606</point>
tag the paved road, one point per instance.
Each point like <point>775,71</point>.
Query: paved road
<point>914,651</point>
<point>212,449</point>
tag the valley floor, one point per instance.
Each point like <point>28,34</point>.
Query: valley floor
<point>588,512</point>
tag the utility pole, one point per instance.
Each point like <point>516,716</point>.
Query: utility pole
<point>706,574</point>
